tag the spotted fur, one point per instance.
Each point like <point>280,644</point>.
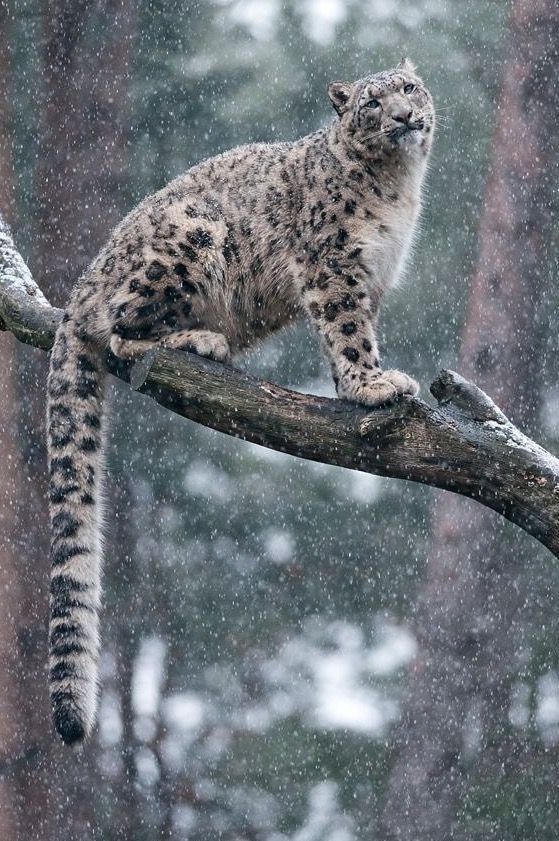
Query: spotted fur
<point>227,253</point>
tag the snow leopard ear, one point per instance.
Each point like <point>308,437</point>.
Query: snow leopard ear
<point>407,65</point>
<point>339,93</point>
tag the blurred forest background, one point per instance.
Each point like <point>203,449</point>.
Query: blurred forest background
<point>292,652</point>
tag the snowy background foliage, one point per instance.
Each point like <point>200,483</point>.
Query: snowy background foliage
<point>261,612</point>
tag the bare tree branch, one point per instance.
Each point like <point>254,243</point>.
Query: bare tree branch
<point>465,445</point>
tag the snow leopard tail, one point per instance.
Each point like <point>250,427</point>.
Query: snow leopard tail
<point>75,445</point>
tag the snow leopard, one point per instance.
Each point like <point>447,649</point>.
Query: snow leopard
<point>227,253</point>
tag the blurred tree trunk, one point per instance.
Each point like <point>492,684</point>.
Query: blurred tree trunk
<point>122,628</point>
<point>84,80</point>
<point>459,684</point>
<point>6,192</point>
<point>84,119</point>
<point>11,490</point>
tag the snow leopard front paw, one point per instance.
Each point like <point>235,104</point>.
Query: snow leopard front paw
<point>386,387</point>
<point>403,383</point>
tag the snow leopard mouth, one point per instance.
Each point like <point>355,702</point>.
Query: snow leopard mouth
<point>398,134</point>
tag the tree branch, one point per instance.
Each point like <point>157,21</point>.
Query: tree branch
<point>466,445</point>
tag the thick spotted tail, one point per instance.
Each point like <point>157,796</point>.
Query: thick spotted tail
<point>75,393</point>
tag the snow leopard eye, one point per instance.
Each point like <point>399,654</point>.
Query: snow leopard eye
<point>409,88</point>
<point>372,103</point>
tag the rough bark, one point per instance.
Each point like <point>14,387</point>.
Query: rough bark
<point>471,596</point>
<point>465,445</point>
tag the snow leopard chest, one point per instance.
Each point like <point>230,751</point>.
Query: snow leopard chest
<point>387,242</point>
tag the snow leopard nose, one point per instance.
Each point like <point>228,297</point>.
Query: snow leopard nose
<point>402,115</point>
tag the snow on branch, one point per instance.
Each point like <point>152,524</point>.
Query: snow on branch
<point>24,310</point>
<point>465,444</point>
